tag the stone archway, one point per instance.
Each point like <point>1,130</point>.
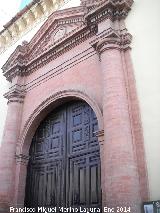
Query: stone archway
<point>64,166</point>
<point>33,122</point>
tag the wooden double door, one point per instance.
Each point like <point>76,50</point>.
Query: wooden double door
<point>64,165</point>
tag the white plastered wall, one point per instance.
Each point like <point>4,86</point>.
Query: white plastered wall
<point>143,23</point>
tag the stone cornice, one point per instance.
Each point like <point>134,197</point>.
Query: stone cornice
<point>112,9</point>
<point>15,95</point>
<point>112,39</point>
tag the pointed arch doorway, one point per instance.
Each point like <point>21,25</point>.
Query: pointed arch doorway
<point>64,166</point>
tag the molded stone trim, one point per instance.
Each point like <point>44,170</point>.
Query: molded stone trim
<point>15,95</point>
<point>111,39</point>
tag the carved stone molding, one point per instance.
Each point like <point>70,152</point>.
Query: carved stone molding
<point>24,68</point>
<point>112,9</point>
<point>17,65</point>
<point>15,95</point>
<point>112,39</point>
<point>29,57</point>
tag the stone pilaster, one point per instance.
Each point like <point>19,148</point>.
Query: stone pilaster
<point>8,149</point>
<point>121,182</point>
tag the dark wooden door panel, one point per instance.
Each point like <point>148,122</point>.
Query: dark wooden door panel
<point>84,181</point>
<point>64,165</point>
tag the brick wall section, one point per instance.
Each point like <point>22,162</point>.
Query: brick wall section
<point>121,175</point>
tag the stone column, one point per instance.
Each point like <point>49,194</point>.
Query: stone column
<point>121,182</point>
<point>8,149</point>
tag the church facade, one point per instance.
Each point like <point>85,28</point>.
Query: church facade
<point>73,134</point>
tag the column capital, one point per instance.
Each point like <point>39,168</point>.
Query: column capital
<point>112,39</point>
<point>16,63</point>
<point>15,95</point>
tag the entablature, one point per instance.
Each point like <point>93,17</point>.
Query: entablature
<point>64,30</point>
